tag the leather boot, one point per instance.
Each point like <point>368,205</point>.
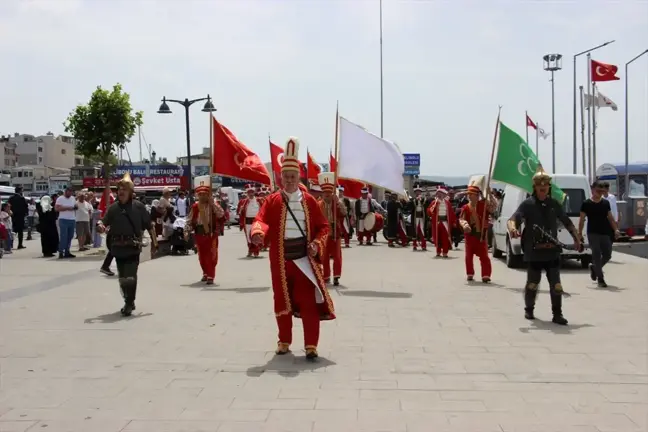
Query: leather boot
<point>529,302</point>
<point>556,309</point>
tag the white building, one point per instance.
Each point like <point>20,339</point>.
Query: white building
<point>45,150</point>
<point>8,157</point>
<point>35,179</point>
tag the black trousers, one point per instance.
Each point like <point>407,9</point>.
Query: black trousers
<point>18,228</point>
<point>109,256</point>
<point>534,275</point>
<point>127,272</point>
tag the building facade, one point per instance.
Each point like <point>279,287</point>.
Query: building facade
<point>45,150</point>
<point>35,179</point>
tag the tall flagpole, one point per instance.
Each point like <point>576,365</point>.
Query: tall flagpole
<point>537,128</point>
<point>582,115</point>
<point>589,117</point>
<point>381,76</point>
<point>526,126</point>
<point>335,173</point>
<point>594,108</point>
<point>273,180</point>
<point>490,171</point>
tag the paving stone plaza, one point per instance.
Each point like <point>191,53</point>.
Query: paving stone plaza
<point>415,348</point>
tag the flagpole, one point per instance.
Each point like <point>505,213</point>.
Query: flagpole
<point>526,126</point>
<point>490,170</point>
<point>211,153</point>
<point>537,128</point>
<point>335,173</point>
<point>582,115</point>
<point>272,177</point>
<point>381,74</point>
<point>594,108</point>
<point>589,117</point>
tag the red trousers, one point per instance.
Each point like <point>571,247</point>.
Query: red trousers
<point>419,234</point>
<point>364,235</point>
<point>442,239</point>
<point>474,247</point>
<point>207,246</point>
<point>333,249</point>
<point>346,237</point>
<point>302,295</point>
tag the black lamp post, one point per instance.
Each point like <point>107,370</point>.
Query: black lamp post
<point>208,107</point>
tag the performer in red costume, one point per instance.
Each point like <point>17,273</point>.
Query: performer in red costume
<point>363,207</point>
<point>248,211</point>
<point>348,219</point>
<point>205,220</point>
<point>474,223</point>
<point>418,205</point>
<point>443,219</point>
<point>335,212</point>
<point>298,232</point>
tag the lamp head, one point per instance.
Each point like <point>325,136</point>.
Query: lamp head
<point>164,108</point>
<point>209,106</point>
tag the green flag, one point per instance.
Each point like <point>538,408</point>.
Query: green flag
<point>515,163</point>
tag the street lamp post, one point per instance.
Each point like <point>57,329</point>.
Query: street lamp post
<point>553,63</point>
<point>627,145</point>
<point>574,115</point>
<point>208,107</point>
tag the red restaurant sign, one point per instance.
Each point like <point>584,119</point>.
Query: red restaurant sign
<point>161,181</point>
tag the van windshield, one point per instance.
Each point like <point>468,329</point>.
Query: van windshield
<point>573,201</point>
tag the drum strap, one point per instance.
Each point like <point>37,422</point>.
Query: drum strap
<point>285,200</point>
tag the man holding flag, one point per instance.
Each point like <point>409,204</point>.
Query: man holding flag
<point>517,165</point>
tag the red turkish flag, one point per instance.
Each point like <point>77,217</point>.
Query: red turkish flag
<point>530,123</point>
<point>232,158</point>
<point>604,71</point>
<point>352,188</point>
<point>313,169</point>
<point>276,155</point>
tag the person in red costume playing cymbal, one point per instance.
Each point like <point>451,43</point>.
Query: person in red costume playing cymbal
<point>335,212</point>
<point>473,219</point>
<point>443,219</point>
<point>205,220</point>
<point>248,210</point>
<point>298,232</point>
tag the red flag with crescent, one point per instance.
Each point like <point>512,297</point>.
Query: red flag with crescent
<point>604,71</point>
<point>313,169</point>
<point>276,154</point>
<point>352,188</point>
<point>232,158</point>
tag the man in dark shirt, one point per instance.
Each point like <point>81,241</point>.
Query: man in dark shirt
<point>600,226</point>
<point>540,214</point>
<point>127,219</point>
<point>19,213</point>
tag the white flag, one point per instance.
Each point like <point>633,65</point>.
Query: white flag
<point>599,101</point>
<point>368,158</point>
<point>543,134</point>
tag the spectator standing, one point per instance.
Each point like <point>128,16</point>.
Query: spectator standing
<point>6,221</point>
<point>181,205</point>
<point>601,227</point>
<point>31,217</point>
<point>83,215</point>
<point>19,213</point>
<point>66,207</point>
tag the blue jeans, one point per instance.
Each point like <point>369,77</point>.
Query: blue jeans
<point>66,234</point>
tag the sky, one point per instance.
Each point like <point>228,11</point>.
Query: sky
<point>278,68</point>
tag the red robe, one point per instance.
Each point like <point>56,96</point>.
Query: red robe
<point>252,249</point>
<point>271,222</point>
<point>433,212</point>
<point>206,243</point>
<point>476,240</point>
<point>334,243</point>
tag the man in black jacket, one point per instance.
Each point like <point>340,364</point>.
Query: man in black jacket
<point>19,209</point>
<point>540,214</point>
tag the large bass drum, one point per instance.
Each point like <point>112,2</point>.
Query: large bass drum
<point>369,222</point>
<point>380,223</point>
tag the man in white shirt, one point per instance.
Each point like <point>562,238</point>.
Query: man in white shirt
<point>612,200</point>
<point>181,205</point>
<point>31,212</point>
<point>66,207</point>
<point>83,215</point>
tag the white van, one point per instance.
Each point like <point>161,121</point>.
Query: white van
<point>577,189</point>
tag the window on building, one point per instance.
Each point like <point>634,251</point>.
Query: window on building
<point>62,151</point>
<point>40,149</point>
<point>40,160</point>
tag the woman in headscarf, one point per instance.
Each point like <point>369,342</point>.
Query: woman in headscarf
<point>47,226</point>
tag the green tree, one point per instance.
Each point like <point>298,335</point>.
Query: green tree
<point>104,125</point>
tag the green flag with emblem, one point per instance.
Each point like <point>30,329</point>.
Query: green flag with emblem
<point>516,163</point>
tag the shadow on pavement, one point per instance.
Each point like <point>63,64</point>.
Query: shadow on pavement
<point>538,324</point>
<point>248,290</point>
<point>376,294</point>
<point>289,366</point>
<point>611,288</point>
<point>541,291</point>
<point>114,317</point>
